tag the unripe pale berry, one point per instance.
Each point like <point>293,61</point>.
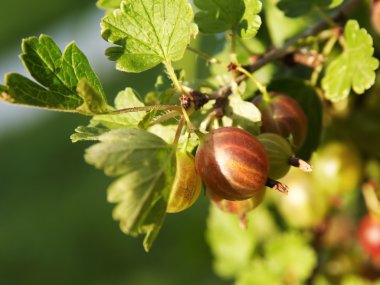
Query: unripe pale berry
<point>187,184</point>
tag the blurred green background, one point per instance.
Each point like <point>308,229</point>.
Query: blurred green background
<point>55,224</point>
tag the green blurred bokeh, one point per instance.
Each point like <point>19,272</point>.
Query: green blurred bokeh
<point>55,224</point>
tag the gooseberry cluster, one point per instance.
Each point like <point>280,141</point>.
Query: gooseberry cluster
<point>236,166</point>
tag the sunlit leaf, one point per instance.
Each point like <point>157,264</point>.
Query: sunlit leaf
<point>144,163</point>
<point>354,68</point>
<point>148,32</point>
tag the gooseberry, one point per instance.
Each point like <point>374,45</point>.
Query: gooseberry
<point>233,164</point>
<point>187,184</point>
<point>283,115</point>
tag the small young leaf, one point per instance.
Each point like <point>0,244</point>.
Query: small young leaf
<point>58,75</point>
<point>307,97</point>
<point>218,16</point>
<point>244,114</point>
<point>354,68</point>
<point>89,133</point>
<point>127,98</point>
<point>108,4</point>
<point>297,8</point>
<point>143,161</point>
<point>93,102</point>
<point>148,32</point>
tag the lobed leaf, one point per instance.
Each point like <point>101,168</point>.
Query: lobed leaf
<point>58,76</point>
<point>241,16</point>
<point>148,32</point>
<point>144,163</point>
<point>354,68</point>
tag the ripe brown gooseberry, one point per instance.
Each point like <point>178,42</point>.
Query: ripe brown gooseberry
<point>283,115</point>
<point>234,164</point>
<point>281,156</point>
<point>187,184</point>
<point>369,235</point>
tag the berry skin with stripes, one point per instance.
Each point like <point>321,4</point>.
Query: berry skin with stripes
<point>233,164</point>
<point>283,115</point>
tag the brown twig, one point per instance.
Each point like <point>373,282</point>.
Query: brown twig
<point>278,53</point>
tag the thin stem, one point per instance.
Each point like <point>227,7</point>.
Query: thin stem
<point>204,55</point>
<point>173,77</point>
<point>259,85</point>
<point>325,52</point>
<point>233,56</point>
<point>326,16</point>
<point>145,108</point>
<point>190,125</point>
<point>165,117</point>
<point>278,53</point>
<point>178,132</point>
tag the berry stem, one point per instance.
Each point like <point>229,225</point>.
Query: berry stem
<point>276,185</point>
<point>260,86</point>
<point>301,164</point>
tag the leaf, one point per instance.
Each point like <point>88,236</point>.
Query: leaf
<point>93,102</point>
<point>148,32</point>
<point>89,133</point>
<point>290,256</point>
<point>296,8</point>
<point>244,114</point>
<point>356,280</point>
<point>258,272</point>
<point>284,28</point>
<point>108,4</point>
<point>127,98</point>
<point>354,68</point>
<point>307,97</point>
<point>144,162</point>
<point>58,74</point>
<point>231,245</point>
<point>218,16</point>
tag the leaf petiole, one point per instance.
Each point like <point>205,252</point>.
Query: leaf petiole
<point>262,88</point>
<point>144,108</point>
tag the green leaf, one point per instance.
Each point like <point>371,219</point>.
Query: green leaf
<point>127,98</point>
<point>307,97</point>
<point>356,280</point>
<point>354,68</point>
<point>296,8</point>
<point>231,245</point>
<point>89,133</point>
<point>148,32</point>
<point>258,272</point>
<point>290,256</point>
<point>218,16</point>
<point>93,102</point>
<point>58,76</point>
<point>108,4</point>
<point>144,162</point>
<point>244,114</point>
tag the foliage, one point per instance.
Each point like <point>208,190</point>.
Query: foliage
<point>137,138</point>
